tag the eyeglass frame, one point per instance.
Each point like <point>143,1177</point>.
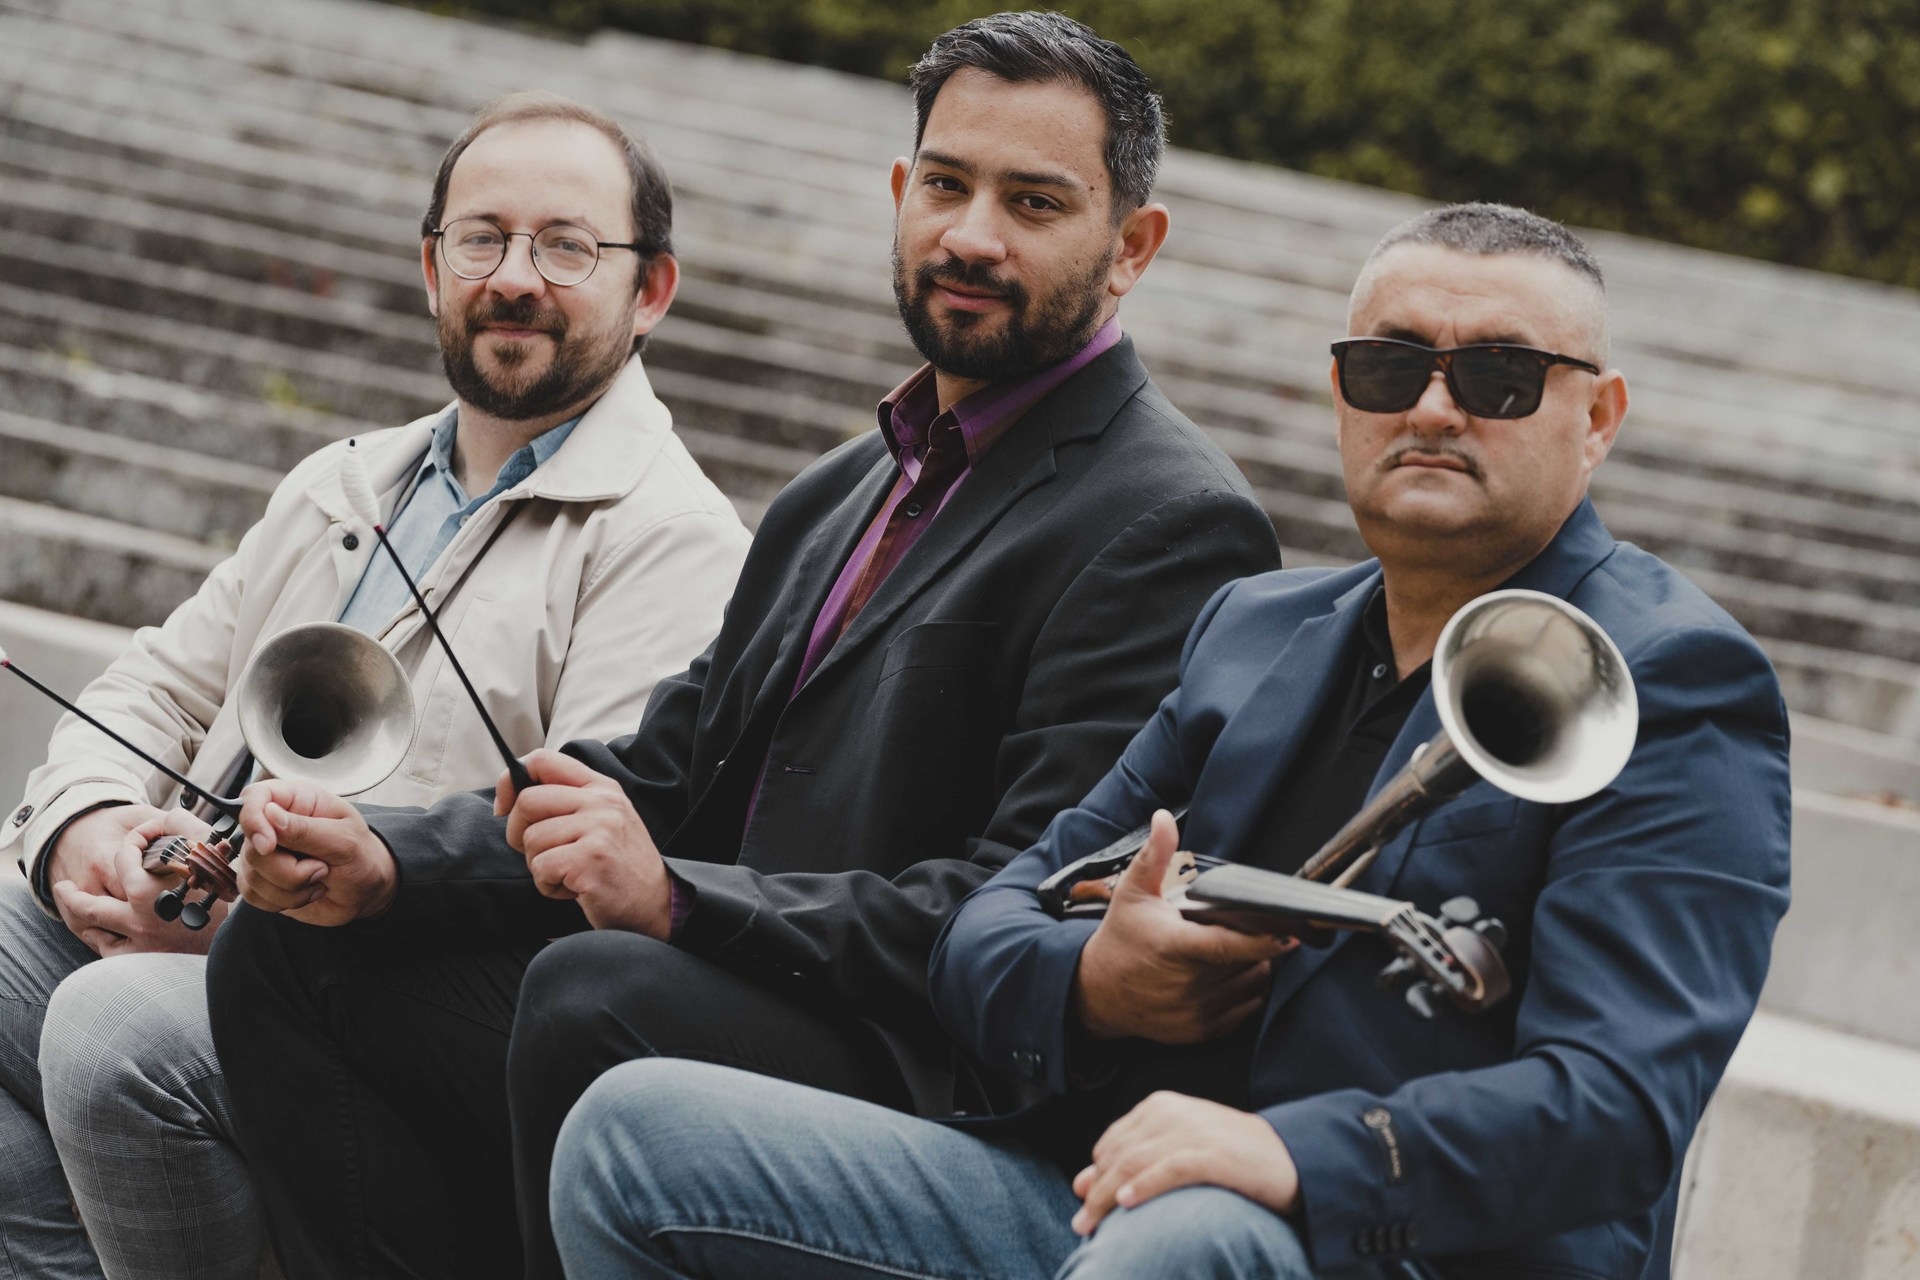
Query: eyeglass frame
<point>439,235</point>
<point>1441,358</point>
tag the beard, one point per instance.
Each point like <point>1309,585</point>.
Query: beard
<point>515,390</point>
<point>1035,335</point>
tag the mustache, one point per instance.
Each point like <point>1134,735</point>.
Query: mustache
<point>1438,448</point>
<point>519,313</point>
<point>974,276</point>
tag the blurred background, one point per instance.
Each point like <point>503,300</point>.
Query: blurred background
<point>209,266</point>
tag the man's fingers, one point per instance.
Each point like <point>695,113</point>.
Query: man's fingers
<point>1215,944</point>
<point>82,910</point>
<point>104,943</point>
<point>1168,1173</point>
<point>552,767</point>
<point>536,805</point>
<point>1146,875</point>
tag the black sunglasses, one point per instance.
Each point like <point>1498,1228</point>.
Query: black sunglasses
<point>1487,379</point>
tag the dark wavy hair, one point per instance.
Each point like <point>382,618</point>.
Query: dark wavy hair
<point>1030,47</point>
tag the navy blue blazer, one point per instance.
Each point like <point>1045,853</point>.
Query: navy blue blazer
<point>1543,1137</point>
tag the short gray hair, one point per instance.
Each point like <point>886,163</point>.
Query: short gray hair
<point>1486,228</point>
<point>1494,228</point>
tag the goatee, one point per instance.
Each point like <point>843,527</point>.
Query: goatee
<point>581,365</point>
<point>1034,336</point>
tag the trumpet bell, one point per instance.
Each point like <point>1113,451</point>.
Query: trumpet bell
<point>328,704</point>
<point>1535,696</point>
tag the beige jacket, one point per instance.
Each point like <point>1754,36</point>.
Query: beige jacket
<point>611,573</point>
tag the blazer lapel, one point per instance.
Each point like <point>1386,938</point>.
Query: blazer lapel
<point>1022,460</point>
<point>814,574</point>
<point>1254,751</point>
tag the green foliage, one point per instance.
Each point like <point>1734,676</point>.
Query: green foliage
<point>1782,129</point>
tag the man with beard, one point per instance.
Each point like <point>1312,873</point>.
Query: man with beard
<point>946,629</point>
<point>573,553</point>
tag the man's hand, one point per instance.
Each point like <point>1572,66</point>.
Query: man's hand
<point>87,853</point>
<point>109,906</point>
<point>311,855</point>
<point>1149,972</point>
<point>1171,1141</point>
<point>582,840</point>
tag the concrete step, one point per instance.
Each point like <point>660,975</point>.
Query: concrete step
<point>112,402</point>
<point>96,568</point>
<point>1848,955</point>
<point>62,652</point>
<point>1852,763</point>
<point>1865,690</point>
<point>187,495</point>
<point>1808,1162</point>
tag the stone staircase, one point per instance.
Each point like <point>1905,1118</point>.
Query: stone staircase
<point>208,268</point>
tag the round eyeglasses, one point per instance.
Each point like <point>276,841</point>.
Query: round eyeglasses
<point>563,255</point>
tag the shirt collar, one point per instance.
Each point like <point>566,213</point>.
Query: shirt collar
<point>911,411</point>
<point>519,465</point>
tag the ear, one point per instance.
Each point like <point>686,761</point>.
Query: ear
<point>656,295</point>
<point>430,273</point>
<point>901,168</point>
<point>1142,232</point>
<point>1604,416</point>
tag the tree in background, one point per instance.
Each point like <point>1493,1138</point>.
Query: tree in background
<point>1781,129</point>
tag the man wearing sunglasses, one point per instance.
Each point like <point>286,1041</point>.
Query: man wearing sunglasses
<point>1280,1116</point>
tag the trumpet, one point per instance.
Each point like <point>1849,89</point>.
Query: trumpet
<point>1532,696</point>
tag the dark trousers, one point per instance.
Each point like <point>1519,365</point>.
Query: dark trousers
<point>388,1101</point>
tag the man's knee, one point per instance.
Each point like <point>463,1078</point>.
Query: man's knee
<point>623,1150</point>
<point>1204,1232</point>
<point>595,995</point>
<point>130,1031</point>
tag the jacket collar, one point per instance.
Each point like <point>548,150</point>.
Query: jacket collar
<point>603,458</point>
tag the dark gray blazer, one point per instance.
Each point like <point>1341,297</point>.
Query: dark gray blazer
<point>989,683</point>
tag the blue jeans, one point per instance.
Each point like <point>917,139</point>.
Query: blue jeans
<point>679,1169</point>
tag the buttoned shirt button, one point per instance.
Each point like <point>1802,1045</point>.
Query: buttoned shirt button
<point>351,542</point>
<point>1380,671</point>
<point>21,815</point>
<point>1027,1061</point>
<point>912,509</point>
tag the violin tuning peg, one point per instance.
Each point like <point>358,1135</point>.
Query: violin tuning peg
<point>197,913</point>
<point>1462,910</point>
<point>167,906</point>
<point>1494,932</point>
<point>1423,999</point>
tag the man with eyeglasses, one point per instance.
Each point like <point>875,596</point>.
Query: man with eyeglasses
<point>573,553</point>
<point>1207,1111</point>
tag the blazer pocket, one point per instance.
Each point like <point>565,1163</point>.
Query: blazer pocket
<point>939,644</point>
